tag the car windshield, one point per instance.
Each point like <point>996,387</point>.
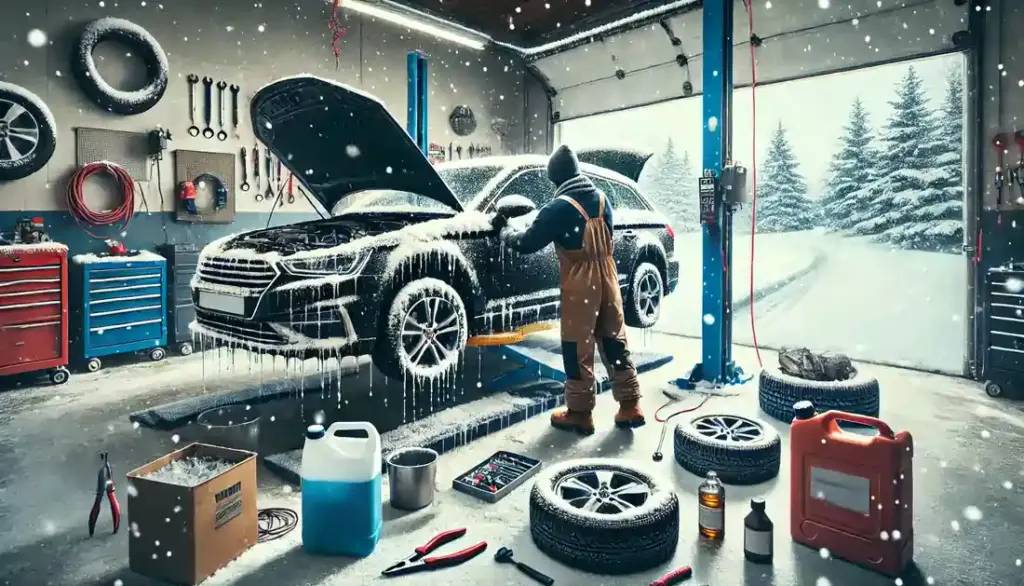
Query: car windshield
<point>465,183</point>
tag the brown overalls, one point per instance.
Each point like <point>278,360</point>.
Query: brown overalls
<point>592,312</point>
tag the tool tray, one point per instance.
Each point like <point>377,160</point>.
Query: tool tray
<point>509,476</point>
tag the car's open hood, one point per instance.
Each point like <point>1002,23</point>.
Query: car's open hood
<point>626,162</point>
<point>338,141</point>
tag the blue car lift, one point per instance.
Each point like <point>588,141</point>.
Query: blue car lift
<point>416,111</point>
<point>716,366</point>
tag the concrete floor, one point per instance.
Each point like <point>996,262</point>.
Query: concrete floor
<point>965,457</point>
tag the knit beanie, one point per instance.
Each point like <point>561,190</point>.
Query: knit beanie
<point>562,166</point>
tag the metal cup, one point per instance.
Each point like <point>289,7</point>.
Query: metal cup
<point>412,473</point>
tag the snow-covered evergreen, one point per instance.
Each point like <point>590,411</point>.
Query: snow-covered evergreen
<point>851,171</point>
<point>672,186</point>
<point>782,202</point>
<point>906,171</point>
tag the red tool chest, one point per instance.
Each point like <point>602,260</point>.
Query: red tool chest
<point>34,309</point>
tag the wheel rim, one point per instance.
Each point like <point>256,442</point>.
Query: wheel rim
<point>605,492</point>
<point>729,428</point>
<point>648,295</point>
<point>430,332</point>
<point>19,132</point>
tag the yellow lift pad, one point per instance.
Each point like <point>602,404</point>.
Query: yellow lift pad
<point>514,337</point>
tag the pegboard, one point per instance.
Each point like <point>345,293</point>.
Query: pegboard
<point>190,164</point>
<point>128,149</point>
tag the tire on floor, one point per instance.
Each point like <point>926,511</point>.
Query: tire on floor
<point>738,449</point>
<point>778,392</point>
<point>613,537</point>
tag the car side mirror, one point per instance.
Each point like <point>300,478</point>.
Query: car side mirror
<point>513,206</point>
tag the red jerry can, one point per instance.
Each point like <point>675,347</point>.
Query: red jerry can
<point>852,493</point>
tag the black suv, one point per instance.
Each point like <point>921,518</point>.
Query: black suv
<point>404,264</point>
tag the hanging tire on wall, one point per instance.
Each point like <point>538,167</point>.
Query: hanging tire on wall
<point>778,392</point>
<point>143,44</point>
<point>28,133</point>
<point>740,450</point>
<point>642,305</point>
<point>604,516</point>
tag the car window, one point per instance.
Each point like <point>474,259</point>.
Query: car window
<point>623,197</point>
<point>533,185</point>
<point>383,200</point>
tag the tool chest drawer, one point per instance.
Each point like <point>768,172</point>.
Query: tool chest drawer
<point>119,306</point>
<point>34,309</point>
<point>182,260</point>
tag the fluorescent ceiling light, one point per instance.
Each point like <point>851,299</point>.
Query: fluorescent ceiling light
<point>413,24</point>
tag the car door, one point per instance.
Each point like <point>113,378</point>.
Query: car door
<point>528,282</point>
<point>627,231</point>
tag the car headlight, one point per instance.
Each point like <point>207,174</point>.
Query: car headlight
<point>327,265</point>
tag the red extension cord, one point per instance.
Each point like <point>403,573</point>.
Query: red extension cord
<point>753,166</point>
<point>86,217</point>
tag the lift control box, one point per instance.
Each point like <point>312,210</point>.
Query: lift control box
<point>734,184</point>
<point>707,192</point>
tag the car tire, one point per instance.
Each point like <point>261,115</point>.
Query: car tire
<point>34,116</point>
<point>646,294</point>
<point>740,450</point>
<point>142,43</point>
<point>612,538</point>
<point>396,353</point>
<point>778,392</point>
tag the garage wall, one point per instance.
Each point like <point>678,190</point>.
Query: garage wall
<point>224,40</point>
<point>800,39</point>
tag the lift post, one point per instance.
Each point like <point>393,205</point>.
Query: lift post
<point>716,216</point>
<point>416,115</point>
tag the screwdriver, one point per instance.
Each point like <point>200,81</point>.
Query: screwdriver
<point>674,577</point>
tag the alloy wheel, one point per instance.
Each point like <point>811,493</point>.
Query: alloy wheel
<point>19,132</point>
<point>729,428</point>
<point>648,298</point>
<point>430,332</point>
<point>602,491</point>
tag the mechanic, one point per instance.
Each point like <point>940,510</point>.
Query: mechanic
<point>579,221</point>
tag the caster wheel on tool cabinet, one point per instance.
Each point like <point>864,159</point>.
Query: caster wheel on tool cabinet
<point>157,354</point>
<point>185,348</point>
<point>93,364</point>
<point>59,376</point>
<point>994,389</point>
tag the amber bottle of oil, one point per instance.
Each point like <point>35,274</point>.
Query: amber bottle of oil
<point>711,507</point>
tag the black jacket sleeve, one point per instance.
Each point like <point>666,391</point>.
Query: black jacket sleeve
<point>541,232</point>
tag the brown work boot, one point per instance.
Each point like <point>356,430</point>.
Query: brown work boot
<point>629,416</point>
<point>582,422</point>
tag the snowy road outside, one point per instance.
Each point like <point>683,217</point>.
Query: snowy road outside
<point>865,299</point>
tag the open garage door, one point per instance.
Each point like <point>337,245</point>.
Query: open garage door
<point>859,215</point>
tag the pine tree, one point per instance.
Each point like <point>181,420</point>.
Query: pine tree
<point>906,175</point>
<point>936,222</point>
<point>852,169</point>
<point>673,187</point>
<point>782,202</point>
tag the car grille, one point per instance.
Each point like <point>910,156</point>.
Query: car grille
<point>241,330</point>
<point>236,272</point>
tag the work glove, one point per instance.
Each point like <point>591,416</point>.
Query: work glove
<point>499,221</point>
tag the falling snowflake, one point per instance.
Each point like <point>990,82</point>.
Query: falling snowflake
<point>825,553</point>
<point>955,525</point>
<point>1014,285</point>
<point>261,28</point>
<point>822,581</point>
<point>36,38</point>
<point>709,319</point>
<point>824,4</point>
<point>986,434</point>
<point>175,438</point>
<point>972,513</point>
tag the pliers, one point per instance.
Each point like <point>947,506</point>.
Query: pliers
<point>104,484</point>
<point>418,562</point>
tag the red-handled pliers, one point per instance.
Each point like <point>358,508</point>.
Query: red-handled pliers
<point>104,484</point>
<point>418,562</point>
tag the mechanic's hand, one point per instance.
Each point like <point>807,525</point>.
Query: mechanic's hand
<point>499,221</point>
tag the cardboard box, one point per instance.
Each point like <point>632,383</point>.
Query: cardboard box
<point>183,534</point>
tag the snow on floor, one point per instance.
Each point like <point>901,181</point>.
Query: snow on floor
<point>865,299</point>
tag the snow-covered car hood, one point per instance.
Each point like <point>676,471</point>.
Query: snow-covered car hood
<point>338,140</point>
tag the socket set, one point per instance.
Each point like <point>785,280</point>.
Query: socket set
<point>495,477</point>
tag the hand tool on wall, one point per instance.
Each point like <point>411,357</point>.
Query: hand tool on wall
<point>221,86</point>
<point>999,143</point>
<point>458,151</point>
<point>208,107</point>
<point>291,189</point>
<point>1018,172</point>
<point>419,562</point>
<point>104,486</point>
<point>472,150</point>
<point>234,108</point>
<point>674,577</point>
<point>277,181</point>
<point>504,556</point>
<point>450,151</point>
<point>245,171</point>
<point>192,80</point>
<point>269,160</point>
<point>256,170</point>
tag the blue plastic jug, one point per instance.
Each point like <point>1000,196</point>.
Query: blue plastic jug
<point>341,490</point>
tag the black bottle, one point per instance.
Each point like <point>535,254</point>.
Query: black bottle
<point>758,534</point>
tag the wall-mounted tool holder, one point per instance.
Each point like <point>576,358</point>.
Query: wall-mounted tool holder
<point>191,166</point>
<point>131,150</point>
<point>497,476</point>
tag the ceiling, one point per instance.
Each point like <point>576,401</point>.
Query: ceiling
<point>526,23</point>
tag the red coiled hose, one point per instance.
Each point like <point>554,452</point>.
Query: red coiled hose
<point>122,214</point>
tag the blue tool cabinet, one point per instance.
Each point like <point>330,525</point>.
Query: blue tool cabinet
<point>119,305</point>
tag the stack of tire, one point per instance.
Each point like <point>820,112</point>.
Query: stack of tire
<point>778,392</point>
